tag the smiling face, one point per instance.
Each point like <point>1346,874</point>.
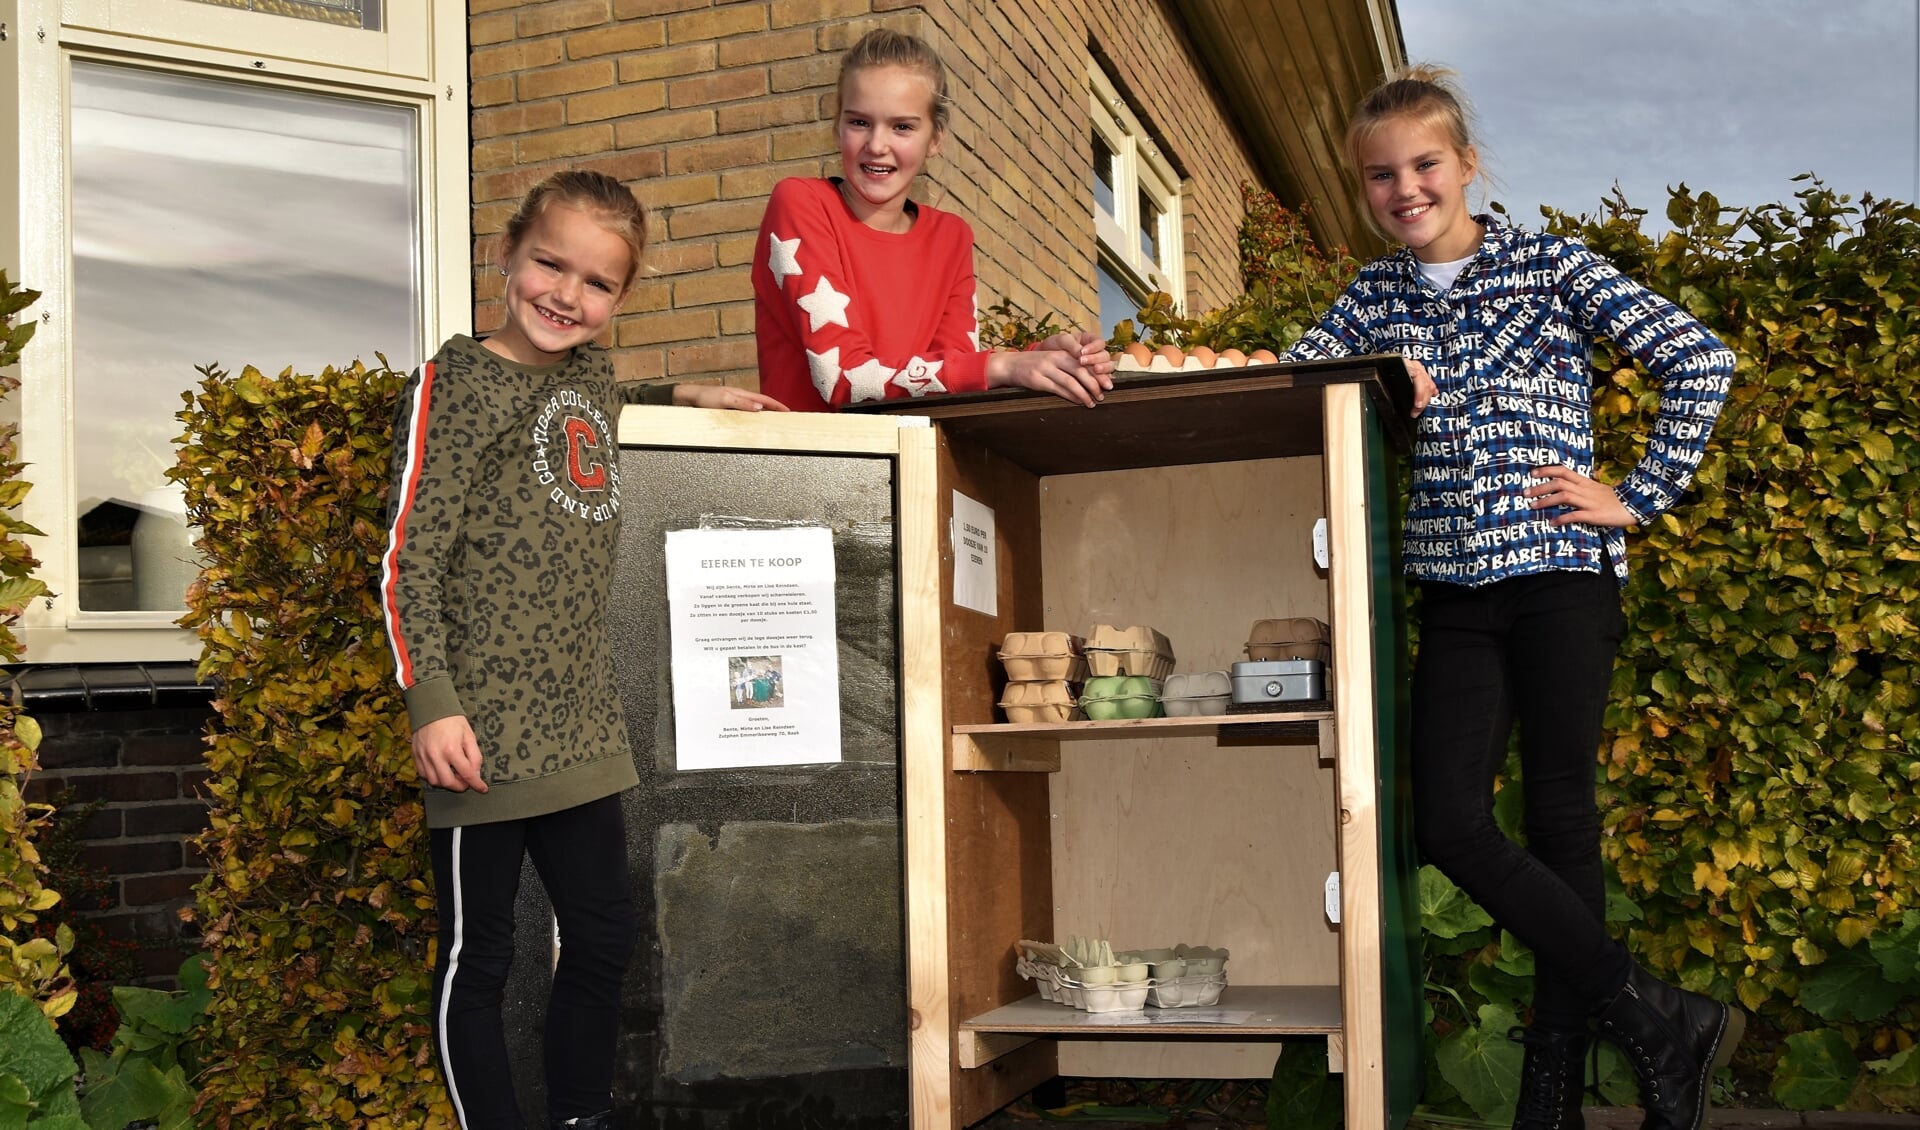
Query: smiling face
<point>886,132</point>
<point>1417,189</point>
<point>565,278</point>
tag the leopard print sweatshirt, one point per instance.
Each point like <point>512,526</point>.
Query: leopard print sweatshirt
<point>503,521</point>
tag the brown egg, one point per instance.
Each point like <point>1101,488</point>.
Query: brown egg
<point>1205,356</point>
<point>1262,357</point>
<point>1233,356</point>
<point>1138,353</point>
<point>1172,354</point>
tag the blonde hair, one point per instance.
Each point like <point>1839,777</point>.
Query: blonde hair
<point>611,203</point>
<point>884,47</point>
<point>1420,93</point>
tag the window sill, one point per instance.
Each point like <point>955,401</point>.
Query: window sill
<point>80,689</point>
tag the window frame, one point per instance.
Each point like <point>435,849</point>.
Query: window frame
<point>1139,166</point>
<point>417,60</point>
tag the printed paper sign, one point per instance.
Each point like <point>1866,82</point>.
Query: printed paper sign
<point>756,670</point>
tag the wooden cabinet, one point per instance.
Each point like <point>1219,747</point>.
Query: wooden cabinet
<point>1186,502</point>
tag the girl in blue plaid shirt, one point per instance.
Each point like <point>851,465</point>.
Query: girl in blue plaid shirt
<point>1519,552</point>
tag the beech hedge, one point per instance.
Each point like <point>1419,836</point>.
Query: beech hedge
<point>317,909</point>
<point>31,966</point>
<point>1761,791</point>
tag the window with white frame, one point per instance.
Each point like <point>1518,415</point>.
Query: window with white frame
<point>1136,209</point>
<point>218,184</point>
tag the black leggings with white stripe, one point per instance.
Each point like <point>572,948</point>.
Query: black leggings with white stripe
<point>581,857</point>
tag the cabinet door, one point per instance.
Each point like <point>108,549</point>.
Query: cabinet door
<point>774,900</point>
<point>1380,968</point>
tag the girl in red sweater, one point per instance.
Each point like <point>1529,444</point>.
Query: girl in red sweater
<point>862,294</point>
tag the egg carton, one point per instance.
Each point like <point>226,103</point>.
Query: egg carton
<point>1198,693</point>
<point>1034,656</point>
<point>1137,650</point>
<point>1300,637</point>
<point>1102,701</point>
<point>1049,700</point>
<point>1061,987</point>
<point>1180,977</point>
<point>1192,991</point>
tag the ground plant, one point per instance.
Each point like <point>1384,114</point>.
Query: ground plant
<point>142,1079</point>
<point>316,911</point>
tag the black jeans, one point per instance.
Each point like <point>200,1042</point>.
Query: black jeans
<point>1538,650</point>
<point>581,857</point>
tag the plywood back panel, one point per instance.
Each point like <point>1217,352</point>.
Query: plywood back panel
<point>1199,552</point>
<point>1163,841</point>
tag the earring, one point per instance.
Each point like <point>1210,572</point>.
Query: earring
<point>503,272</point>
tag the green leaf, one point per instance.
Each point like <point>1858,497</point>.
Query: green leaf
<point>1877,447</point>
<point>1902,1068</point>
<point>168,1012</point>
<point>1620,908</point>
<point>16,1102</point>
<point>1898,950</point>
<point>1849,986</point>
<point>1515,958</point>
<point>1483,1064</point>
<point>1498,986</point>
<point>1816,1071</point>
<point>1302,1095</point>
<point>1445,910</point>
<point>130,1089</point>
<point>31,1052</point>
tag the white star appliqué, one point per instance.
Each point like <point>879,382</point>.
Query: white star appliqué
<point>973,335</point>
<point>921,377</point>
<point>869,380</point>
<point>784,257</point>
<point>824,305</point>
<point>825,368</point>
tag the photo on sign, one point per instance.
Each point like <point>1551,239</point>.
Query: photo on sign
<point>756,681</point>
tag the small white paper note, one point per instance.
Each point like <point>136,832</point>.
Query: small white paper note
<point>976,569</point>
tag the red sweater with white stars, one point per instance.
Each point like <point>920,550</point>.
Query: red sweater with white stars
<point>844,313</point>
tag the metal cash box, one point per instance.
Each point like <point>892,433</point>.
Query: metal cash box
<point>1279,680</point>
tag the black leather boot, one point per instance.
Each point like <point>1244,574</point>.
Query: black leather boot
<point>601,1121</point>
<point>1674,1039</point>
<point>1549,1079</point>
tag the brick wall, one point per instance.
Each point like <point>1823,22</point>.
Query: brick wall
<point>145,769</point>
<point>702,106</point>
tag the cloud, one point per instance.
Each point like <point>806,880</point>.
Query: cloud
<point>1652,93</point>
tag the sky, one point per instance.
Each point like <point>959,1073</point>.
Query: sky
<point>1735,97</point>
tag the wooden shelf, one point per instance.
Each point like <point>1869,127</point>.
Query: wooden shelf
<point>1278,1010</point>
<point>1034,747</point>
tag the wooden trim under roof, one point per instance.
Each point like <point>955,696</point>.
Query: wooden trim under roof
<point>1291,71</point>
